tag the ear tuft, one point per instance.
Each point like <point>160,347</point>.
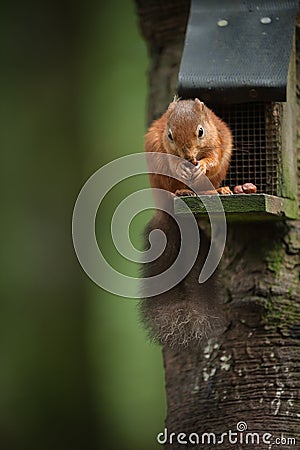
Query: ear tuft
<point>171,107</point>
<point>199,105</point>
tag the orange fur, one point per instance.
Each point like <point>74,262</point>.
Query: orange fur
<point>189,312</point>
<point>212,152</point>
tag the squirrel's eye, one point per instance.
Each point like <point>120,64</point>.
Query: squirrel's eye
<point>170,135</point>
<point>200,131</point>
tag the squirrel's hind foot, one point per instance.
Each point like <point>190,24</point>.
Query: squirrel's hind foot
<point>183,192</point>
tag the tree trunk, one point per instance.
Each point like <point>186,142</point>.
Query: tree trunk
<point>250,373</point>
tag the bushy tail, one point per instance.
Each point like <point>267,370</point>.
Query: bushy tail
<point>189,313</point>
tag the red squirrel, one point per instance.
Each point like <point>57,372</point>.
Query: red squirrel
<point>189,311</point>
<point>191,131</point>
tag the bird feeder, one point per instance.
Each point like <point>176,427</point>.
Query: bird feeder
<point>239,59</point>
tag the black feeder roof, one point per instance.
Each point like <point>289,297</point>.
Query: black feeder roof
<point>237,51</point>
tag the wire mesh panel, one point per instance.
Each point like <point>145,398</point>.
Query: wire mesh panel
<point>256,144</point>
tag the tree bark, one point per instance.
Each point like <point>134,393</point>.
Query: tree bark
<point>249,373</point>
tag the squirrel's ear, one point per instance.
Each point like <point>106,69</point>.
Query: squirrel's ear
<point>171,107</point>
<point>199,105</point>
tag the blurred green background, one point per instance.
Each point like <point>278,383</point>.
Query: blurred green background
<point>76,369</point>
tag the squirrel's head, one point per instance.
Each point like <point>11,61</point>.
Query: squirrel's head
<point>189,132</point>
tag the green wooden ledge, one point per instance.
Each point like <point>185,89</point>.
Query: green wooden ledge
<point>241,206</point>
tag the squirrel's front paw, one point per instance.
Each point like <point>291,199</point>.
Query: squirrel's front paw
<point>202,166</point>
<point>200,169</point>
<point>184,171</point>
